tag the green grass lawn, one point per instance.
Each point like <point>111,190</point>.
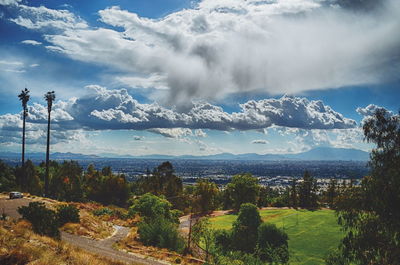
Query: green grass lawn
<point>312,234</point>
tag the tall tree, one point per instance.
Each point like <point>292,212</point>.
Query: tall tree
<point>206,193</point>
<point>293,193</point>
<point>163,181</point>
<point>243,189</point>
<point>370,213</point>
<point>308,191</point>
<point>331,192</point>
<point>245,228</point>
<point>24,97</point>
<point>49,97</point>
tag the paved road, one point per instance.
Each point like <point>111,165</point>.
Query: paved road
<point>105,247</point>
<point>100,247</point>
<point>10,207</point>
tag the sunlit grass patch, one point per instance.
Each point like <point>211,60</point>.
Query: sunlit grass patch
<point>312,234</point>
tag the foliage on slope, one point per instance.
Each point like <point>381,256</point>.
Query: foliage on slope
<point>19,245</point>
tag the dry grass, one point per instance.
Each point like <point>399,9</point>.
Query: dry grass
<point>19,245</point>
<point>90,226</point>
<point>114,219</point>
<point>132,244</point>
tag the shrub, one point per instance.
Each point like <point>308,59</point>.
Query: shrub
<point>237,258</point>
<point>174,215</point>
<point>244,233</point>
<point>67,214</point>
<point>150,207</point>
<point>44,221</point>
<point>121,214</point>
<point>161,233</point>
<point>103,211</point>
<point>3,217</point>
<point>272,244</point>
<point>223,240</point>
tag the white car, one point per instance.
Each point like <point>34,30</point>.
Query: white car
<point>16,195</point>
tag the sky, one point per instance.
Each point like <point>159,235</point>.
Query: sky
<point>199,77</point>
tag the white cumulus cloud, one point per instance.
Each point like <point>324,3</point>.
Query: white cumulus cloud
<point>31,42</point>
<point>172,133</point>
<point>259,141</point>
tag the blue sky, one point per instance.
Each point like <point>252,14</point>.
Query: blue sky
<point>196,77</point>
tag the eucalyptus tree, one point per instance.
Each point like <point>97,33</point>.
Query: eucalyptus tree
<point>49,97</point>
<point>370,212</point>
<point>24,97</point>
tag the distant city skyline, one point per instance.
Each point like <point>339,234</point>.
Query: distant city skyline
<point>180,77</point>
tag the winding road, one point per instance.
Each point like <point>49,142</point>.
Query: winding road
<point>100,247</point>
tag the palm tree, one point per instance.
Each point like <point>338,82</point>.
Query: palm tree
<point>49,97</point>
<point>24,97</point>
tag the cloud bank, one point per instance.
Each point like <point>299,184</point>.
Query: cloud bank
<point>104,109</point>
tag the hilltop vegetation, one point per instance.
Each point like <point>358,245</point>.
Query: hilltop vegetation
<point>19,245</point>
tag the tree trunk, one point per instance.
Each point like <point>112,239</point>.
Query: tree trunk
<point>46,180</point>
<point>23,178</point>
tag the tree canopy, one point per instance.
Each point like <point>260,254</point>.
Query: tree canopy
<point>370,213</point>
<point>243,188</point>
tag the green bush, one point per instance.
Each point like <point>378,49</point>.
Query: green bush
<point>223,240</point>
<point>237,258</point>
<point>3,217</point>
<point>103,211</point>
<point>161,233</point>
<point>44,221</point>
<point>272,244</point>
<point>150,207</point>
<point>244,232</point>
<point>67,214</point>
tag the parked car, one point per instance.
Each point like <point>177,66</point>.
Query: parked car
<point>16,195</point>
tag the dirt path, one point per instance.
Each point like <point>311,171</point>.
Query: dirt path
<point>105,247</point>
<point>101,247</point>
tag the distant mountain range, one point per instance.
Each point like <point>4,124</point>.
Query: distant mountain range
<point>55,156</point>
<point>320,153</point>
